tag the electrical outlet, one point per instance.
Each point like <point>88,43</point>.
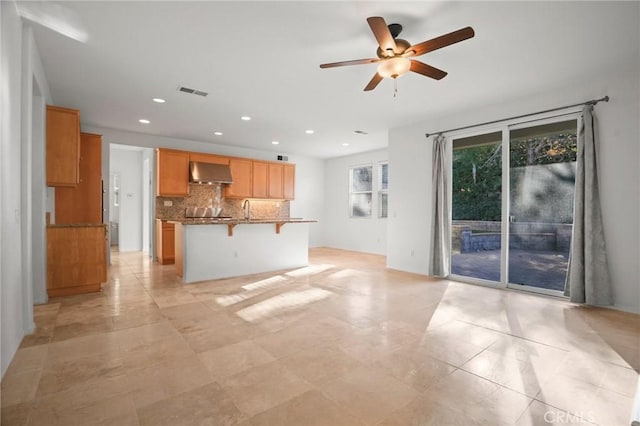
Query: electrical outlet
<point>168,203</point>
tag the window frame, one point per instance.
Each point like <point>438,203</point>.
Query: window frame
<point>383,191</point>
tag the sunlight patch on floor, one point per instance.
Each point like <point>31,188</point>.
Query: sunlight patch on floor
<point>281,303</point>
<point>310,270</point>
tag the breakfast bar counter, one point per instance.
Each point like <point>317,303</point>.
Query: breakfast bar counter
<point>208,249</point>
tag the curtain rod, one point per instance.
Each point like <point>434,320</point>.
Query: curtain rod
<point>591,102</point>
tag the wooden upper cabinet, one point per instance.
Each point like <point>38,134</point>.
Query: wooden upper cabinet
<point>241,173</point>
<point>208,158</point>
<point>260,179</point>
<point>83,204</point>
<point>172,172</point>
<point>276,175</point>
<point>63,146</point>
<point>289,181</point>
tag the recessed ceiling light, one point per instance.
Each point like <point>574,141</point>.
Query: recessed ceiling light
<point>217,133</point>
<point>345,144</point>
<point>144,121</point>
<point>159,100</point>
<point>245,118</point>
<point>360,132</point>
<point>309,132</point>
<point>275,142</point>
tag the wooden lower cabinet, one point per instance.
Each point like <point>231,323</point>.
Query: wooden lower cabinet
<point>165,242</point>
<point>76,259</point>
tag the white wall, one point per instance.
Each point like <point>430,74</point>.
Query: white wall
<point>619,129</point>
<point>128,164</point>
<point>12,323</point>
<point>309,171</point>
<point>35,96</point>
<point>341,231</point>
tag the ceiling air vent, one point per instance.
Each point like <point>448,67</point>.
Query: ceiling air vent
<point>192,91</point>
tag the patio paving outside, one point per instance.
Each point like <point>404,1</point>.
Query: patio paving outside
<point>542,269</point>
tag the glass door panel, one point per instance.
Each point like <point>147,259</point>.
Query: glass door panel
<point>541,181</point>
<point>476,207</point>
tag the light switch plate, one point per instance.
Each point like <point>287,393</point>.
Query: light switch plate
<point>168,203</point>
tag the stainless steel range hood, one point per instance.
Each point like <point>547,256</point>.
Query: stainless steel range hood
<point>209,173</point>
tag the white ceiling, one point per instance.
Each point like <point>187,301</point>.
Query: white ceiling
<point>262,59</point>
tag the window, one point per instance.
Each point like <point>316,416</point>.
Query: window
<point>116,190</point>
<point>360,191</point>
<point>383,189</point>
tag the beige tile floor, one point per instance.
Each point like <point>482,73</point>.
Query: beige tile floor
<point>342,342</point>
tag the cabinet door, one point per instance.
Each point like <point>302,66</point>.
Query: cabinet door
<point>260,179</point>
<point>289,184</point>
<point>83,204</point>
<point>165,242</point>
<point>208,158</point>
<point>168,243</point>
<point>173,173</point>
<point>76,260</point>
<point>63,146</point>
<point>241,173</point>
<point>276,176</point>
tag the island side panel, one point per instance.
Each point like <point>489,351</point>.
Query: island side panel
<point>209,253</point>
<point>179,256</point>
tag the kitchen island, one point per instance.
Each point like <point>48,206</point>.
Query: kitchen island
<point>208,249</point>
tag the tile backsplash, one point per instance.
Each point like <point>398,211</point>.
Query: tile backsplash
<point>203,196</point>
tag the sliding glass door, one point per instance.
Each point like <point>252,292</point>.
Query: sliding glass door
<point>542,170</point>
<point>512,205</point>
<point>477,206</point>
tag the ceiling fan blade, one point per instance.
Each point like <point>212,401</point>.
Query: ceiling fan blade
<point>442,41</point>
<point>377,78</point>
<point>427,70</point>
<point>354,62</point>
<point>382,34</point>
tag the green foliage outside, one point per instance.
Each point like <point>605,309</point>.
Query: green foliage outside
<point>477,173</point>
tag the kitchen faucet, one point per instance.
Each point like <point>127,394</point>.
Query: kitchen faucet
<point>247,209</point>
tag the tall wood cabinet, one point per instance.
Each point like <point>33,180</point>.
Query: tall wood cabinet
<point>172,173</point>
<point>83,204</point>
<point>62,146</point>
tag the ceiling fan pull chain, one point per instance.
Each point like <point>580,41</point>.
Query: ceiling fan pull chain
<point>395,87</point>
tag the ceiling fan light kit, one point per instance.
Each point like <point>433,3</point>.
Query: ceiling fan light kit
<point>394,53</point>
<point>394,67</point>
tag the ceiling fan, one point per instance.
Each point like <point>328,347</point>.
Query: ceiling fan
<point>394,53</point>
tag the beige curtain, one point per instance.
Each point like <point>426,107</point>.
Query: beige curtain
<point>588,275</point>
<point>440,245</point>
